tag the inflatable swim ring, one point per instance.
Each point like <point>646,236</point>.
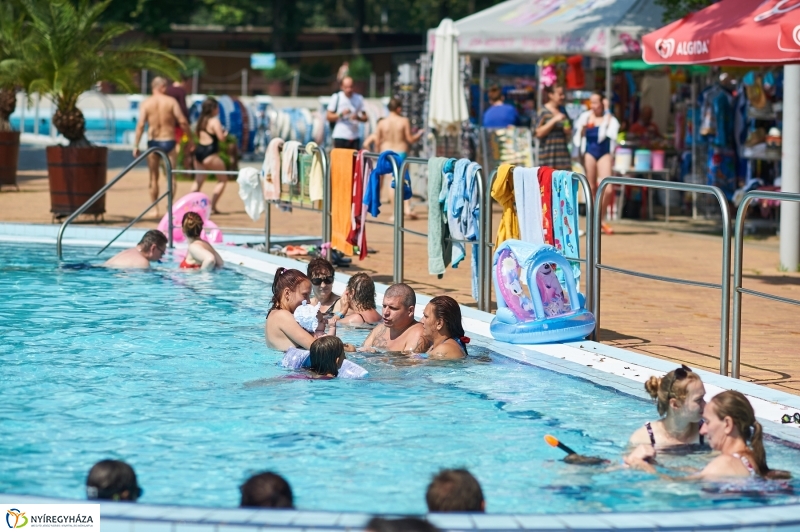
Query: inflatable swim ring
<point>196,202</point>
<point>295,358</point>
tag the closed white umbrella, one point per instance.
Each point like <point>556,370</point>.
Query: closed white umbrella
<point>448,103</point>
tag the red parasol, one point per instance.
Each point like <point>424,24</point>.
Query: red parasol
<point>730,32</point>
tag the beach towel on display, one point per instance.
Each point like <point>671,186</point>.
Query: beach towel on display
<point>546,193</point>
<point>503,193</point>
<point>357,236</point>
<point>463,210</point>
<point>529,204</point>
<point>565,219</point>
<point>439,248</point>
<point>372,196</point>
<point>271,171</point>
<point>316,177</point>
<point>341,198</point>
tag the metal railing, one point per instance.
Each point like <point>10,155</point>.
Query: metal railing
<point>738,290</point>
<point>102,191</point>
<point>723,286</point>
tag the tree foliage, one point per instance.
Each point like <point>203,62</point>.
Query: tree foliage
<point>675,9</point>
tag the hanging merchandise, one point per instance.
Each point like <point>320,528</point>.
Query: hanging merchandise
<point>565,219</point>
<point>357,236</point>
<point>463,208</point>
<point>503,193</point>
<point>316,176</point>
<point>545,177</point>
<point>656,94</point>
<point>440,250</point>
<point>576,78</point>
<point>271,171</point>
<point>529,204</point>
<point>341,198</point>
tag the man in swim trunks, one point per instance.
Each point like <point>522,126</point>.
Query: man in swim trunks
<point>162,114</point>
<point>394,133</point>
<point>399,331</point>
<point>150,248</point>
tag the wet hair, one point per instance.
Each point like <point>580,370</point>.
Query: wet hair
<point>735,405</point>
<point>266,490</point>
<point>206,112</point>
<point>404,292</point>
<point>662,389</point>
<point>454,490</point>
<point>403,524</point>
<point>153,237</point>
<point>494,93</point>
<point>395,104</point>
<point>319,265</point>
<point>109,480</point>
<point>324,352</point>
<point>285,278</point>
<point>192,225</point>
<point>446,308</point>
<point>361,289</point>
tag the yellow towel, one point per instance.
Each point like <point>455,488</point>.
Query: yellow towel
<point>342,198</point>
<point>503,193</point>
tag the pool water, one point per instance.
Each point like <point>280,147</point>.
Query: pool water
<point>168,371</point>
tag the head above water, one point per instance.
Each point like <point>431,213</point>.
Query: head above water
<point>455,490</point>
<point>730,415</point>
<point>192,225</point>
<point>442,316</point>
<point>327,355</point>
<point>678,393</point>
<point>290,288</point>
<point>153,245</point>
<point>266,490</point>
<point>320,271</point>
<point>398,306</point>
<point>112,480</point>
<point>361,290</point>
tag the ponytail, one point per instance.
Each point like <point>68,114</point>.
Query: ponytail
<point>285,278</point>
<point>757,446</point>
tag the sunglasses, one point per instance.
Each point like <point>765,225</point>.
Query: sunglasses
<point>786,418</point>
<point>316,281</point>
<point>680,374</point>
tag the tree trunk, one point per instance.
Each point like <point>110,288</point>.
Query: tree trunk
<point>71,124</point>
<point>359,16</point>
<point>8,102</point>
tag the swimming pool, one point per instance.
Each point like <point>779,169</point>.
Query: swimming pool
<point>169,371</point>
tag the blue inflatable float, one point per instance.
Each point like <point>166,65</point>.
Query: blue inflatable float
<point>549,314</point>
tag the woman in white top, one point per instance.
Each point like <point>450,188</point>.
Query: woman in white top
<point>596,133</point>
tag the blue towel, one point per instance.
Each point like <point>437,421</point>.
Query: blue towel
<point>565,220</point>
<point>463,211</point>
<point>372,195</point>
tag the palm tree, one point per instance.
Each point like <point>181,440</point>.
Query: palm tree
<point>12,34</point>
<point>68,52</point>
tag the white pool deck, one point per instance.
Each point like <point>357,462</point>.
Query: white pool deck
<point>614,368</point>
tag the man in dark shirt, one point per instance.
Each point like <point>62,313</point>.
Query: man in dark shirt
<point>177,90</point>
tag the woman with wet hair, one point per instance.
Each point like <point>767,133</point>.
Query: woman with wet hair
<point>320,271</point>
<point>679,397</point>
<point>200,255</point>
<point>441,326</point>
<point>326,356</point>
<point>358,302</point>
<point>289,289</point>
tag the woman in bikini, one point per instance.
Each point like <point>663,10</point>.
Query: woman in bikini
<point>441,326</point>
<point>206,152</point>
<point>358,302</point>
<point>200,255</point>
<point>596,133</point>
<point>289,289</point>
<point>320,272</point>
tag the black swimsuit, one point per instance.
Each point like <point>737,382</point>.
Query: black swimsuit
<point>653,436</point>
<point>203,151</point>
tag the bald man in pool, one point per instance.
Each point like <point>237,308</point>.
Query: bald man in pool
<point>150,248</point>
<point>398,331</point>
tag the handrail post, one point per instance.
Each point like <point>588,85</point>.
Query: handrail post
<point>595,275</point>
<point>487,251</point>
<point>398,273</point>
<point>589,205</point>
<point>726,281</point>
<point>483,302</point>
<point>326,200</point>
<point>170,198</point>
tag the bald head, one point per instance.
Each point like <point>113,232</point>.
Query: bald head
<point>158,84</point>
<point>403,292</point>
<point>347,86</point>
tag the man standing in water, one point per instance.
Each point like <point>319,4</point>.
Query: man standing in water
<point>399,331</point>
<point>162,114</point>
<point>151,248</point>
<point>394,133</point>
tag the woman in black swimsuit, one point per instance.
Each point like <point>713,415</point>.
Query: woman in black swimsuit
<point>209,133</point>
<point>358,302</point>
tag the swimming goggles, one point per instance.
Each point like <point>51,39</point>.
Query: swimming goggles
<point>316,281</point>
<point>786,418</point>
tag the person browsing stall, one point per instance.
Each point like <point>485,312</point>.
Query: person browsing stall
<point>499,114</point>
<point>150,248</point>
<point>398,331</point>
<point>201,255</point>
<point>441,327</point>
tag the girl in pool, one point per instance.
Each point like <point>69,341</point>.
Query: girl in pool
<point>320,272</point>
<point>200,255</point>
<point>358,302</point>
<point>729,423</point>
<point>289,289</point>
<point>679,400</point>
<point>441,325</point>
<point>327,356</point>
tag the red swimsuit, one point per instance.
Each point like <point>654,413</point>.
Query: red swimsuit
<point>186,265</point>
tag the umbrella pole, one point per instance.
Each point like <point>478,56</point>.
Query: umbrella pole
<point>482,88</point>
<point>790,169</point>
<point>694,146</point>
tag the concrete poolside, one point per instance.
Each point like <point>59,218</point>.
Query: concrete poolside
<point>667,321</point>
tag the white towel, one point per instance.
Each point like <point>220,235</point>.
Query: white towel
<point>315,180</point>
<point>251,192</point>
<point>289,162</point>
<point>529,204</point>
<point>271,171</point>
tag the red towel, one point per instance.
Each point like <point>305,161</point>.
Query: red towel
<point>358,234</point>
<point>545,177</point>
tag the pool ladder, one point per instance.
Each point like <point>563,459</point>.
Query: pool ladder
<point>99,194</point>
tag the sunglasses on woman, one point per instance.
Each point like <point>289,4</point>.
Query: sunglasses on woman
<point>680,374</point>
<point>316,281</point>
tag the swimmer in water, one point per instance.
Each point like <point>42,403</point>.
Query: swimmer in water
<point>150,248</point>
<point>358,302</point>
<point>320,272</point>
<point>327,356</point>
<point>398,331</point>
<point>441,326</point>
<point>289,289</point>
<point>200,255</point>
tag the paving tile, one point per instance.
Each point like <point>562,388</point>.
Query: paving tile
<point>307,519</point>
<point>353,520</point>
<point>540,522</point>
<point>451,521</point>
<point>193,527</point>
<point>273,517</point>
<point>495,522</point>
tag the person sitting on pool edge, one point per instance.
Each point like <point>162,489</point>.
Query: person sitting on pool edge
<point>266,490</point>
<point>455,490</point>
<point>730,423</point>
<point>358,302</point>
<point>399,331</point>
<point>320,272</point>
<point>112,480</point>
<point>150,248</point>
<point>441,326</point>
<point>200,255</point>
<point>289,289</point>
<point>680,401</point>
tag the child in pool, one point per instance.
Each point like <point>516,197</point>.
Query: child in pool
<point>327,356</point>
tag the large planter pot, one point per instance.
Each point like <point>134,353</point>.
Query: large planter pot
<point>9,157</point>
<point>75,175</point>
<point>276,88</point>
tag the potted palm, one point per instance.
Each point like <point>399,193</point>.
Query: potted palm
<point>66,53</point>
<point>12,33</point>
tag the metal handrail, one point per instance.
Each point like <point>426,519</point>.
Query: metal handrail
<point>114,181</point>
<point>738,290</point>
<point>724,286</point>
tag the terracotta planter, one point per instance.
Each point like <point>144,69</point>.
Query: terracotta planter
<point>276,88</point>
<point>75,175</point>
<point>9,156</point>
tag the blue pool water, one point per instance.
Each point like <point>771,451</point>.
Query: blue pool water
<point>169,371</point>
